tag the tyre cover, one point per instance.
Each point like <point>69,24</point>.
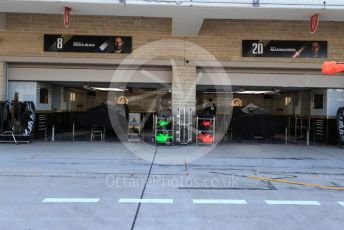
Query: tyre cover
<point>340,124</point>
<point>2,115</point>
<point>7,117</point>
<point>28,118</point>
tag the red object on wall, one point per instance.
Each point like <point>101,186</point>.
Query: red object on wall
<point>314,23</point>
<point>332,67</point>
<point>66,18</point>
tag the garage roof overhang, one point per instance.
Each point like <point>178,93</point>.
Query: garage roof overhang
<point>187,19</point>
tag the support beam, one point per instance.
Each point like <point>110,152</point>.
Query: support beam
<point>185,25</point>
<point>2,21</point>
<point>3,81</point>
<point>183,87</point>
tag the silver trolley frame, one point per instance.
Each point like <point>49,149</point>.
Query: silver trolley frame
<point>184,125</point>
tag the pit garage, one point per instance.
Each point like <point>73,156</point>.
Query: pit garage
<point>283,103</point>
<point>72,101</point>
<point>275,103</point>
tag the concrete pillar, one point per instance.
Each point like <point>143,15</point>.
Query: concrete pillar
<point>3,81</point>
<point>183,87</point>
<point>2,21</point>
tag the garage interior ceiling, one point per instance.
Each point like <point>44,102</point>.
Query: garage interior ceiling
<point>200,88</point>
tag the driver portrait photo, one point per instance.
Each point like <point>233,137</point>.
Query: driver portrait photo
<point>317,51</point>
<point>122,45</point>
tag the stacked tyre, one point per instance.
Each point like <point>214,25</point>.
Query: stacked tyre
<point>340,125</point>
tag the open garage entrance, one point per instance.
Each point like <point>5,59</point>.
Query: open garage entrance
<point>73,110</point>
<point>277,114</point>
<point>276,103</point>
<point>72,100</point>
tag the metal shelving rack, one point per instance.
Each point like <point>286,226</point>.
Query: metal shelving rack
<point>319,130</point>
<point>184,125</point>
<point>134,129</point>
<point>302,125</point>
<point>211,130</point>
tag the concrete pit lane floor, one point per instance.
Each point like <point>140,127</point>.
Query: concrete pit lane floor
<point>81,185</point>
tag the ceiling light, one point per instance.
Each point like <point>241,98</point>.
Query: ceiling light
<point>214,92</point>
<point>108,89</point>
<point>105,89</point>
<point>255,92</point>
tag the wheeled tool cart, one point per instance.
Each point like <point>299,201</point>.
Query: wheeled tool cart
<point>163,127</point>
<point>134,127</point>
<point>205,131</point>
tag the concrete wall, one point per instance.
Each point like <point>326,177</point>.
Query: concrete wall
<point>30,91</point>
<point>57,97</point>
<point>60,99</point>
<point>303,106</point>
<point>279,105</point>
<point>86,74</point>
<point>2,21</point>
<point>43,106</point>
<point>335,99</point>
<point>92,101</point>
<point>222,38</point>
<point>27,91</point>
<point>24,33</point>
<point>319,112</point>
<point>302,103</point>
<point>183,87</point>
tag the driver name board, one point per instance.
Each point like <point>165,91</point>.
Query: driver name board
<point>87,44</point>
<point>288,49</point>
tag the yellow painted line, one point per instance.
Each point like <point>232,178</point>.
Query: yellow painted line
<point>296,183</point>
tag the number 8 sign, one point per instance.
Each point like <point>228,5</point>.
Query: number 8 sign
<point>59,43</point>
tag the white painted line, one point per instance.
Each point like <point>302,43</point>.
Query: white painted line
<point>341,203</point>
<point>293,202</point>
<point>146,201</point>
<point>70,200</point>
<point>218,201</point>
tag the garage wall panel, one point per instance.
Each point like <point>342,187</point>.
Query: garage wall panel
<point>88,75</point>
<point>222,38</point>
<point>273,80</point>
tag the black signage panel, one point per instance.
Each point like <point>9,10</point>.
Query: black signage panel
<point>87,44</point>
<point>289,49</point>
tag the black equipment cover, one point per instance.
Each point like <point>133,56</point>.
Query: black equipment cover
<point>257,122</point>
<point>2,115</point>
